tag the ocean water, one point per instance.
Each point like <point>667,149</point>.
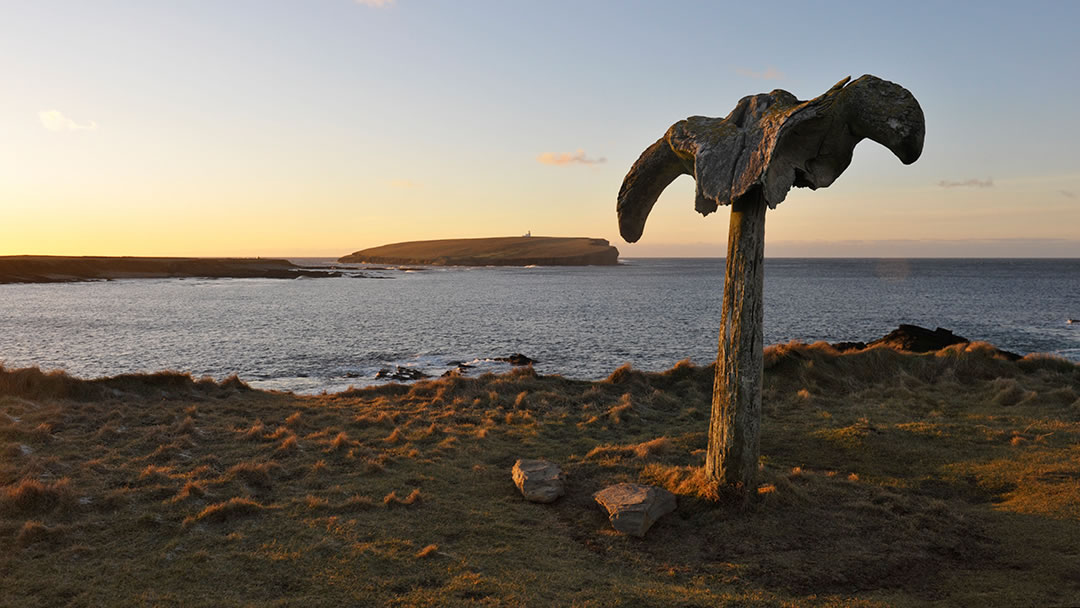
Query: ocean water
<point>310,335</point>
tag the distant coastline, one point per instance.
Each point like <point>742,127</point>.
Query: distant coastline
<point>496,251</point>
<point>63,269</point>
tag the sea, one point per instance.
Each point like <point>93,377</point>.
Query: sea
<point>328,334</point>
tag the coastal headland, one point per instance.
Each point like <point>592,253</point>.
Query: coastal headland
<point>59,269</point>
<point>494,251</point>
<point>888,478</point>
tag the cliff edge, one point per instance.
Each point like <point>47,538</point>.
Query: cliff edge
<point>497,251</point>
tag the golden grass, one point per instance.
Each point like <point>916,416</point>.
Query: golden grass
<point>392,498</point>
<point>427,551</point>
<point>230,509</point>
<point>886,479</point>
<point>33,497</point>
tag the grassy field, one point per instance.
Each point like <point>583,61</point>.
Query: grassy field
<point>887,478</point>
<point>496,251</point>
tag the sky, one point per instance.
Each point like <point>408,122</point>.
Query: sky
<point>321,127</point>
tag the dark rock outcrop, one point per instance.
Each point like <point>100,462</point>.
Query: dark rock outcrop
<point>401,374</point>
<point>516,359</point>
<point>915,339</point>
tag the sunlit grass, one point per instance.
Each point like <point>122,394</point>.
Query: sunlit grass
<point>886,479</point>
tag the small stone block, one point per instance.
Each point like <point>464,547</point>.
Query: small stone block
<point>634,508</point>
<point>538,480</point>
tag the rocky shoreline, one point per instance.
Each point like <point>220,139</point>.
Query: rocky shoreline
<point>64,269</point>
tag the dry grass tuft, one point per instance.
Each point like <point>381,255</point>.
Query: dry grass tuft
<point>279,433</point>
<point>33,532</point>
<point>625,374</point>
<point>255,431</point>
<point>645,450</point>
<point>234,383</point>
<point>156,473</point>
<point>682,481</point>
<point>372,465</point>
<point>428,551</point>
<point>1049,363</point>
<point>356,503</point>
<point>340,442</point>
<point>395,436</point>
<point>187,425</point>
<point>313,503</point>
<point>288,446</point>
<point>256,475</point>
<point>622,410</point>
<point>375,419</point>
<point>33,497</point>
<point>392,498</point>
<point>222,512</point>
<point>653,448</point>
<point>1009,392</point>
<point>191,489</point>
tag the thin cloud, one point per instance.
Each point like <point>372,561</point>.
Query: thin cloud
<point>770,73</point>
<point>968,183</point>
<point>578,158</point>
<point>55,120</point>
<point>375,3</point>
<point>403,184</point>
<point>1067,193</point>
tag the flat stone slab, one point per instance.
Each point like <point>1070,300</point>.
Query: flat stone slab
<point>634,508</point>
<point>538,480</point>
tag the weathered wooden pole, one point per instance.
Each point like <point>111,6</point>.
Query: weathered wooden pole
<point>768,144</point>
<point>735,424</point>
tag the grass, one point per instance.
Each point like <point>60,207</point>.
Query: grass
<point>887,479</point>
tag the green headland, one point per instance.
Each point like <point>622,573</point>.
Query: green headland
<point>497,251</point>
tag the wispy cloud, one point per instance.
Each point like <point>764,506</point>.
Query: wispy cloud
<point>403,184</point>
<point>579,158</point>
<point>55,120</point>
<point>968,183</point>
<point>376,3</point>
<point>1067,193</point>
<point>770,73</point>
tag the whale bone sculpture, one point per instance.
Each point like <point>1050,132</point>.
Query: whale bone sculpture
<point>750,160</point>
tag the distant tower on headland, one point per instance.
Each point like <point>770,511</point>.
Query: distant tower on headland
<point>527,234</point>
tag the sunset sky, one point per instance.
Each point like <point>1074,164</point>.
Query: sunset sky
<point>319,127</point>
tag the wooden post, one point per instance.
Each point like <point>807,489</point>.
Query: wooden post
<point>735,423</point>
